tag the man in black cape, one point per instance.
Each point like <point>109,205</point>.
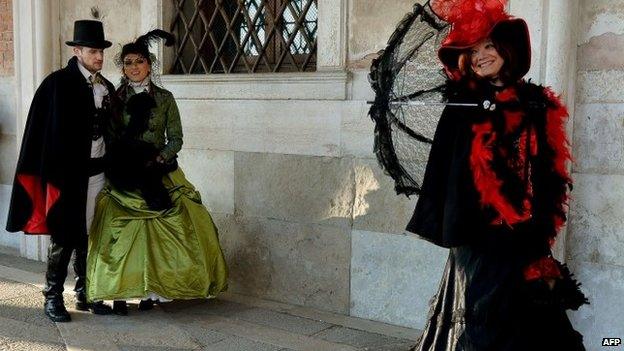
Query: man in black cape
<point>60,167</point>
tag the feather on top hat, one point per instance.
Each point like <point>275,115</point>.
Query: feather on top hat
<point>474,20</point>
<point>89,33</point>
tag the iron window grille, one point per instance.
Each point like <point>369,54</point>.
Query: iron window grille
<point>244,36</point>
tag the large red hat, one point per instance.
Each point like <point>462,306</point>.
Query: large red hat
<point>474,20</point>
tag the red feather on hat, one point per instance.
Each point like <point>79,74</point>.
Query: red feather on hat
<point>471,20</point>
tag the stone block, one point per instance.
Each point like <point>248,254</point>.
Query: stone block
<point>596,225</point>
<point>393,277</point>
<point>212,173</point>
<point>377,206</point>
<point>275,126</point>
<point>360,86</point>
<point>288,127</point>
<point>331,34</point>
<point>206,125</point>
<point>7,239</point>
<point>302,264</point>
<point>599,17</point>
<point>357,130</point>
<point>602,52</point>
<point>294,188</point>
<point>602,283</point>
<point>603,86</point>
<point>8,158</point>
<point>7,106</point>
<point>317,85</point>
<point>599,138</point>
<point>371,22</point>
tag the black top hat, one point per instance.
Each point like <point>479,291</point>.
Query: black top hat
<point>89,33</point>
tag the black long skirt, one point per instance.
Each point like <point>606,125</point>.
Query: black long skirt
<point>483,303</point>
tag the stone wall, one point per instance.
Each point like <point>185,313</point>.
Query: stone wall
<point>393,274</point>
<point>8,149</point>
<point>596,228</point>
<point>6,38</point>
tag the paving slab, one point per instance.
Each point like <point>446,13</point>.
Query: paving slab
<point>360,339</point>
<point>293,324</point>
<point>219,307</point>
<point>268,335</point>
<point>11,289</point>
<point>23,326</point>
<point>150,329</point>
<point>8,258</point>
<point>231,323</point>
<point>328,317</point>
<point>236,343</point>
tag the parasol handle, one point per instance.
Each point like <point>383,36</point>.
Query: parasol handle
<point>429,103</point>
<point>486,104</point>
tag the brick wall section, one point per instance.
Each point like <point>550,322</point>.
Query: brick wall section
<point>6,38</point>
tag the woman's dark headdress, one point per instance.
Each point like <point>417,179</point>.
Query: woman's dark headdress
<point>474,20</point>
<point>141,47</point>
<point>142,44</point>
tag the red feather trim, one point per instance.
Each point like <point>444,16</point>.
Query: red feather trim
<point>545,267</point>
<point>512,120</point>
<point>486,181</point>
<point>556,117</point>
<point>507,95</point>
<point>42,201</point>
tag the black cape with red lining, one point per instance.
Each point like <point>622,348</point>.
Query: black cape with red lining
<point>50,187</point>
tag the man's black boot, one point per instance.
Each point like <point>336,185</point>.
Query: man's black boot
<point>55,310</point>
<point>80,268</point>
<point>58,259</point>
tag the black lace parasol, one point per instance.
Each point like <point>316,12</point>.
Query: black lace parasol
<point>408,81</point>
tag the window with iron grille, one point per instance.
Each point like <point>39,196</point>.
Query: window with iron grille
<point>244,36</point>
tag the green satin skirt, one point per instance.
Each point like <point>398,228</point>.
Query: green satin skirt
<point>134,251</point>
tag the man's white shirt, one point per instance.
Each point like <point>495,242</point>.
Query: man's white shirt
<point>99,92</point>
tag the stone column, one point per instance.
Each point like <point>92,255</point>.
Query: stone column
<point>561,68</point>
<point>35,24</point>
<point>553,27</point>
<point>331,38</point>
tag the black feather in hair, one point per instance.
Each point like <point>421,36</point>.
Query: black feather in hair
<point>146,39</point>
<point>142,44</point>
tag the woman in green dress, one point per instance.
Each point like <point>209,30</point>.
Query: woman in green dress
<point>143,244</point>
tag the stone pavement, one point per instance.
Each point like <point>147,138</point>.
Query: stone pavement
<point>230,323</point>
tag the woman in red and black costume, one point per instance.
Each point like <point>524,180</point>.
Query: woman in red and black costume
<point>495,192</point>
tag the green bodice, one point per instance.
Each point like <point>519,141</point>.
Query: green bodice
<point>164,128</point>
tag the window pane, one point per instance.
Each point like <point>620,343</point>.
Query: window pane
<point>229,36</point>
